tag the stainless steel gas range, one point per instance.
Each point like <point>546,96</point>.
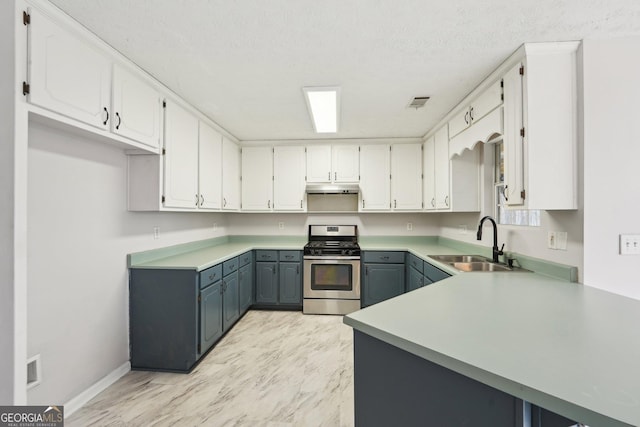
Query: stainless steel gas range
<point>331,277</point>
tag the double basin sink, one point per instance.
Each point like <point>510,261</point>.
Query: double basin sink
<point>473,263</point>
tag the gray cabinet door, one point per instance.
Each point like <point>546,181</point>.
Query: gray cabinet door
<point>416,279</point>
<point>290,283</point>
<point>381,282</point>
<point>230,300</point>
<point>267,282</point>
<point>245,279</point>
<point>210,316</point>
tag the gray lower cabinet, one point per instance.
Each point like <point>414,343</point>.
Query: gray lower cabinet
<point>230,293</point>
<point>383,276</point>
<point>245,283</point>
<point>211,328</point>
<point>415,279</point>
<point>279,279</point>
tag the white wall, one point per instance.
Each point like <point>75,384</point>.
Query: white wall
<point>79,235</point>
<point>611,153</point>
<point>369,224</point>
<point>7,205</point>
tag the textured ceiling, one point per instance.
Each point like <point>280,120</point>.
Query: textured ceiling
<point>243,63</point>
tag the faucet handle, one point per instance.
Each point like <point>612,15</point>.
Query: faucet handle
<point>501,252</point>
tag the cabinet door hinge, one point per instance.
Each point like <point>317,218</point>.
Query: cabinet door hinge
<point>199,298</point>
<point>164,151</point>
<point>163,199</point>
<point>199,348</point>
<point>502,83</point>
<point>522,70</point>
<point>523,194</point>
<point>26,18</point>
<point>164,104</point>
<point>25,88</point>
<point>522,132</point>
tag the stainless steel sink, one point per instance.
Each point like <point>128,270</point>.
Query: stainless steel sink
<point>480,266</point>
<point>458,258</point>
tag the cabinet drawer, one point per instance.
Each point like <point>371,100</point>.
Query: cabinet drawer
<point>415,262</point>
<point>210,275</point>
<point>245,259</point>
<point>290,256</point>
<point>266,256</point>
<point>230,266</point>
<point>433,273</point>
<point>384,257</point>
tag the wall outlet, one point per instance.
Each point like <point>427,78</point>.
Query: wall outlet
<point>410,226</point>
<point>630,244</point>
<point>551,240</point>
<point>281,225</point>
<point>156,232</point>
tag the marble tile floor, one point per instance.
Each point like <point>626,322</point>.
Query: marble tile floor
<point>274,368</point>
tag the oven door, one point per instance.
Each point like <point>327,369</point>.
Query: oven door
<point>331,277</point>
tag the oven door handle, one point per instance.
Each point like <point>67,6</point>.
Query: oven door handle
<point>332,258</point>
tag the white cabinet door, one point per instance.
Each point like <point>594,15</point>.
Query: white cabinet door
<point>429,174</point>
<point>441,155</point>
<point>319,164</point>
<point>513,144</point>
<point>67,75</point>
<point>346,163</point>
<point>136,108</point>
<point>375,170</point>
<point>230,175</point>
<point>459,122</point>
<point>406,176</point>
<point>257,178</point>
<point>486,102</point>
<point>210,168</point>
<point>288,178</point>
<point>181,158</point>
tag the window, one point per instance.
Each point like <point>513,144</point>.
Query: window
<point>505,216</point>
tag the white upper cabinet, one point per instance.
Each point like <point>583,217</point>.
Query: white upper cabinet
<point>513,139</point>
<point>331,164</point>
<point>257,178</point>
<point>67,74</point>
<point>319,164</point>
<point>375,182</point>
<point>441,173</point>
<point>288,178</point>
<point>181,158</point>
<point>406,177</point>
<point>136,109</point>
<point>486,102</point>
<point>209,168</point>
<point>540,127</point>
<point>230,175</point>
<point>346,163</point>
<point>429,173</point>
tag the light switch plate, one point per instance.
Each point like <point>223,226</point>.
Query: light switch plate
<point>551,240</point>
<point>630,244</point>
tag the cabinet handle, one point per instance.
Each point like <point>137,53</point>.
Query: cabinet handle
<point>395,203</point>
<point>300,204</point>
<point>197,199</point>
<point>366,271</point>
<point>446,201</point>
<point>269,204</point>
<point>202,200</point>
<point>471,113</point>
<point>273,270</point>
<point>466,117</point>
<point>506,198</point>
<point>335,176</point>
<point>297,269</point>
<point>329,176</point>
<point>433,202</point>
<point>362,203</point>
<point>288,256</point>
<point>119,120</point>
<point>107,119</point>
<point>224,202</point>
<point>384,257</point>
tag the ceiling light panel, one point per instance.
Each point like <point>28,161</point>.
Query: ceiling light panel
<point>324,107</point>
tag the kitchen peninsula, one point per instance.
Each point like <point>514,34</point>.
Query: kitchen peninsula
<point>475,346</point>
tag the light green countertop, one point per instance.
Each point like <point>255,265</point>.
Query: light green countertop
<point>569,348</point>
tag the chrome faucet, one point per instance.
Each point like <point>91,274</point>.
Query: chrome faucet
<point>496,252</point>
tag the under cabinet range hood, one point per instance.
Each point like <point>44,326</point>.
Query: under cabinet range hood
<point>333,189</point>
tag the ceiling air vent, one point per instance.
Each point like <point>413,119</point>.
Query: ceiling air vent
<point>418,102</point>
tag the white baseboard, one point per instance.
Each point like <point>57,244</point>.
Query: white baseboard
<point>80,400</point>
